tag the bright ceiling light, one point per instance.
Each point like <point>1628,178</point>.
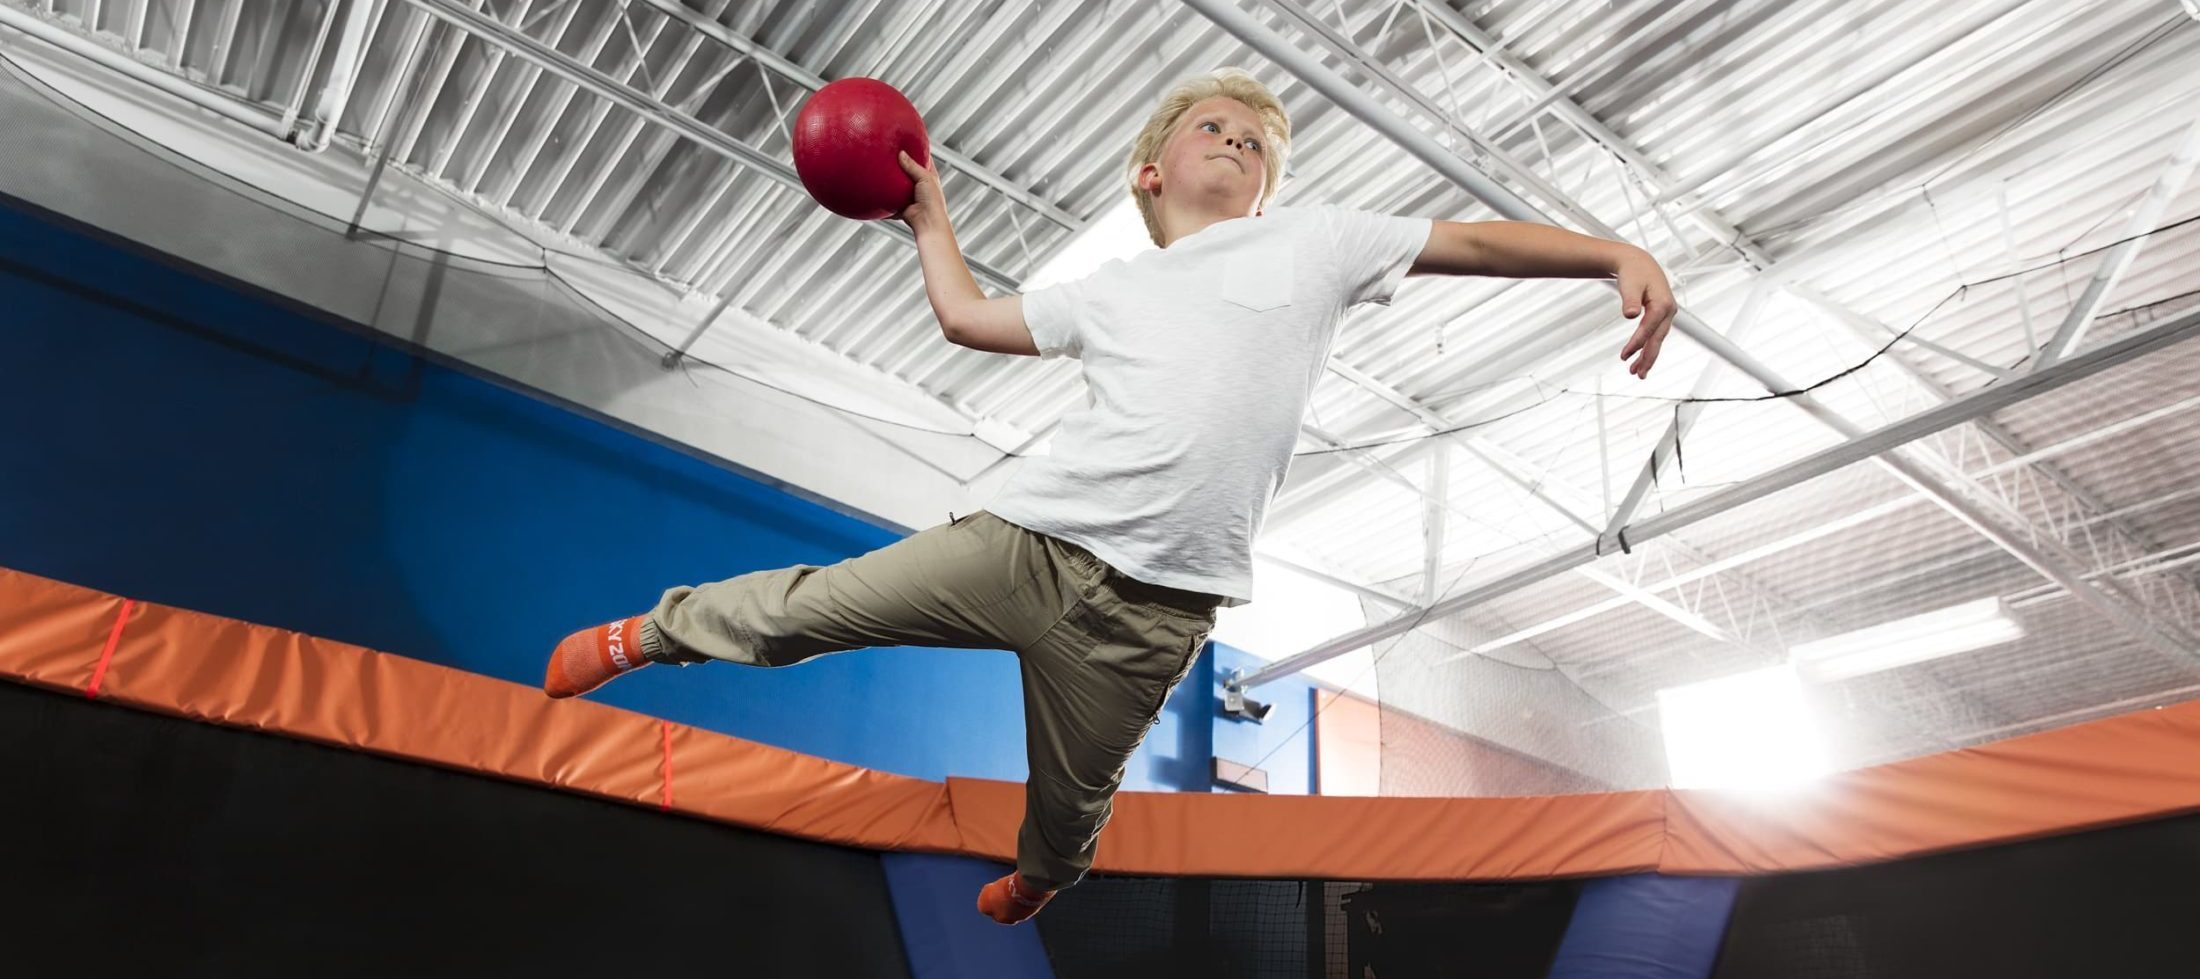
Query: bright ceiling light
<point>1750,732</point>
<point>1119,233</point>
<point>1956,629</point>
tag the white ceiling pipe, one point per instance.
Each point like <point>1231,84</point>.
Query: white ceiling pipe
<point>221,103</point>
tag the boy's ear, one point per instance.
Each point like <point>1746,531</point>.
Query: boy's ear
<point>1149,177</point>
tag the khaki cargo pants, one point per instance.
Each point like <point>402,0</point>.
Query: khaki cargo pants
<point>1100,651</point>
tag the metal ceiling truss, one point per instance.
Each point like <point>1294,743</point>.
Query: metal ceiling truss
<point>1868,446</point>
<point>1544,489</point>
<point>1989,515</point>
<point>1715,598</point>
<point>1534,100</point>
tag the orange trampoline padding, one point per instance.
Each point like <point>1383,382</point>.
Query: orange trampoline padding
<point>55,635</point>
<point>2132,767</point>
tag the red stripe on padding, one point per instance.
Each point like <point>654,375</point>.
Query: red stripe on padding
<point>664,798</point>
<point>114,638</point>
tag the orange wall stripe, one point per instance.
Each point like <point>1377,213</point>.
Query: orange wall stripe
<point>2138,766</point>
<point>51,634</point>
<point>107,652</point>
<point>664,801</point>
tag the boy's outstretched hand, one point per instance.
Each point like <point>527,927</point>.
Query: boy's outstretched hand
<point>930,207</point>
<point>1643,292</point>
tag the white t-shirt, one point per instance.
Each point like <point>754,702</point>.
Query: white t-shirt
<point>1199,360</point>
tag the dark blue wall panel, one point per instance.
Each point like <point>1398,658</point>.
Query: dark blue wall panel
<point>1646,926</point>
<point>936,900</point>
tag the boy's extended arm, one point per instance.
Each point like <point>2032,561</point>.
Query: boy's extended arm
<point>967,317</point>
<point>1525,250</point>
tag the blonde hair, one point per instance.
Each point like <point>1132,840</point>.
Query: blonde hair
<point>1236,83</point>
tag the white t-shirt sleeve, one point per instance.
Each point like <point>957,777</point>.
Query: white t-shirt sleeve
<point>1371,252</point>
<point>1051,316</point>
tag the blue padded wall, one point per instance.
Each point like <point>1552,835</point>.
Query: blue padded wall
<point>1646,926</point>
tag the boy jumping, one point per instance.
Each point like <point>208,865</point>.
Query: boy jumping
<point>1102,565</point>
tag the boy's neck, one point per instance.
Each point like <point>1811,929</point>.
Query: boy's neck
<point>1178,227</point>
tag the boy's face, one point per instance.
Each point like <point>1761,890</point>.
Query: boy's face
<point>1215,157</point>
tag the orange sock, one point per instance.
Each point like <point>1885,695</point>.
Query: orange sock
<point>1010,900</point>
<point>593,656</point>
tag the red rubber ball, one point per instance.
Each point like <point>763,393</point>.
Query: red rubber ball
<point>846,143</point>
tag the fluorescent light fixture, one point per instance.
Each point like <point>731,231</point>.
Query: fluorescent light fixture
<point>1119,233</point>
<point>1956,629</point>
<point>1751,731</point>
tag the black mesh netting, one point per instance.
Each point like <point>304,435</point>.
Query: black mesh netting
<point>1299,929</point>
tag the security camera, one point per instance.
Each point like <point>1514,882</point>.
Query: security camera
<point>1236,704</point>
